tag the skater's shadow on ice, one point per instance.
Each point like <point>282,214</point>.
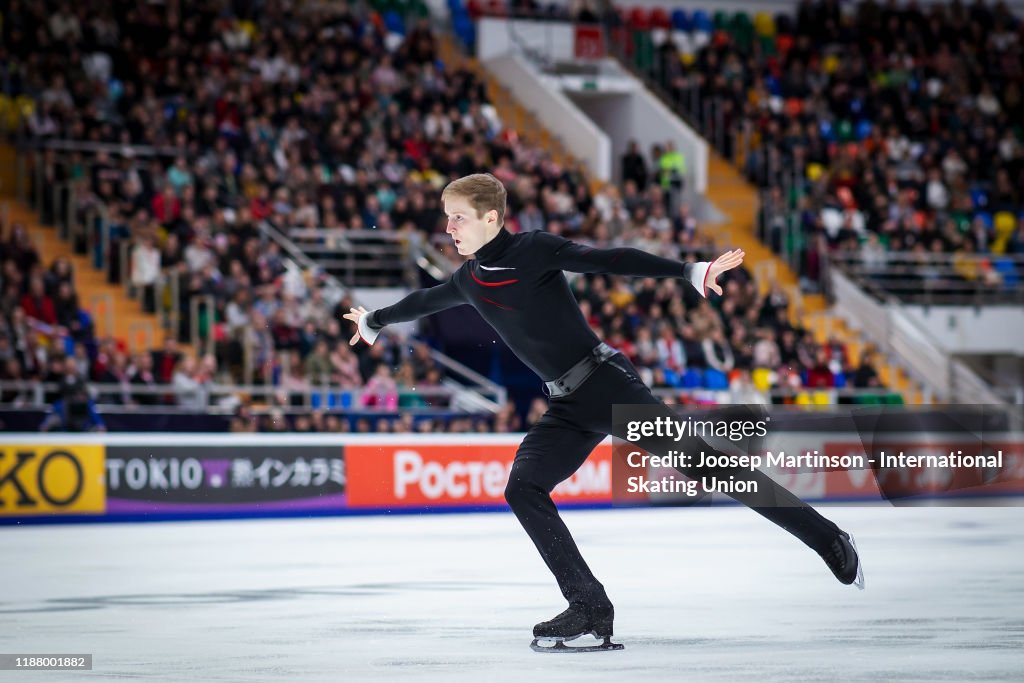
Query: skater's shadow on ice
<point>243,596</point>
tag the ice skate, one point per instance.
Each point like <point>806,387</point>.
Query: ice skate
<point>844,560</point>
<point>573,623</point>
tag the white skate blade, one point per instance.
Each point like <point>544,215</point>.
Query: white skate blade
<point>557,639</point>
<point>859,581</point>
<point>561,648</point>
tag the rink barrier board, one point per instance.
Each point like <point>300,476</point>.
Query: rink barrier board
<point>362,474</point>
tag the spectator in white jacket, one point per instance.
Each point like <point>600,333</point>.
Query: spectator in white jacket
<point>146,270</point>
<point>189,384</point>
<point>717,352</point>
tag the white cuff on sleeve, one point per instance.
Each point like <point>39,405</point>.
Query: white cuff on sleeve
<point>699,276</point>
<point>368,334</point>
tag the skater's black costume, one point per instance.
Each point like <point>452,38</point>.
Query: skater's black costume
<point>517,285</point>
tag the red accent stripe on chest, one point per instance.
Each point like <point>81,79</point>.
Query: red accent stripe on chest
<point>507,308</point>
<point>491,284</point>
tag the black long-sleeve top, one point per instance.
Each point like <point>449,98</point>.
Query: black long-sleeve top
<point>516,283</point>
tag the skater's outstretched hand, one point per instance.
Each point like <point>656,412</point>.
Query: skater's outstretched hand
<point>354,315</point>
<point>726,261</point>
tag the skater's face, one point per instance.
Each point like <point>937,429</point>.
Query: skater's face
<point>469,230</point>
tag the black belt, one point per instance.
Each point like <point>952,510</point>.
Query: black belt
<point>578,374</point>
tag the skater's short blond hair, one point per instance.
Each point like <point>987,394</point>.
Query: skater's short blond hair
<point>483,191</point>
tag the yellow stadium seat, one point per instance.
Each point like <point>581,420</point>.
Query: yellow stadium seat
<point>1004,223</point>
<point>761,379</point>
<point>25,106</point>
<point>764,25</point>
<point>249,27</point>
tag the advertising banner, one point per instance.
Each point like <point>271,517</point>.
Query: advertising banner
<point>826,457</point>
<point>416,475</point>
<point>42,479</point>
<point>223,478</point>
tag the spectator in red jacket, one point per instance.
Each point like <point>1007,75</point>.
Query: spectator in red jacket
<point>167,206</point>
<point>37,304</point>
<point>820,376</point>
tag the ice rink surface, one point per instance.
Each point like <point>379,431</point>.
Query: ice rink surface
<point>701,595</point>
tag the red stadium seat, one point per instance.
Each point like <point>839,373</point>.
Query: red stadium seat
<point>660,18</point>
<point>474,8</point>
<point>639,19</point>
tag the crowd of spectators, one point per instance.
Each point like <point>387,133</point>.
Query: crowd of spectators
<point>45,337</point>
<point>882,127</point>
<point>325,118</point>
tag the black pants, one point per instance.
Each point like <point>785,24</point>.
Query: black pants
<point>558,444</point>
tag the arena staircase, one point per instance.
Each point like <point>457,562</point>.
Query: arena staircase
<point>734,196</point>
<point>114,313</point>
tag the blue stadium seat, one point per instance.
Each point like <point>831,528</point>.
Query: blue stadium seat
<point>680,20</point>
<point>692,379</point>
<point>979,198</point>
<point>864,128</point>
<point>394,23</point>
<point>702,22</point>
<point>671,377</point>
<point>715,379</point>
<point>1008,271</point>
<point>464,29</point>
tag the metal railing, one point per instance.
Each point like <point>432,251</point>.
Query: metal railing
<point>210,398</point>
<point>433,261</point>
<point>541,56</point>
<point>896,335</point>
<point>362,258</point>
<point>936,279</point>
<point>216,398</point>
<point>470,379</point>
